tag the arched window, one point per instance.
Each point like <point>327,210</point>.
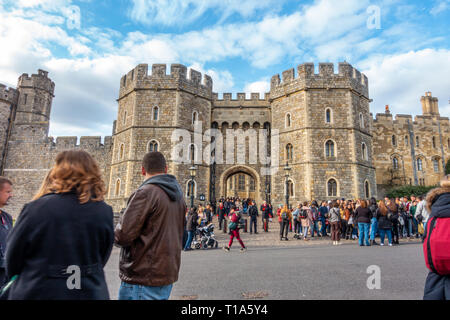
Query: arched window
<point>433,140</point>
<point>394,141</point>
<point>191,188</point>
<point>291,188</point>
<point>366,189</point>
<point>241,182</point>
<point>152,146</point>
<point>156,113</point>
<point>419,164</point>
<point>332,188</point>
<point>406,140</point>
<point>194,117</point>
<point>417,141</point>
<point>364,151</point>
<point>289,152</point>
<point>395,163</point>
<point>328,115</point>
<point>288,120</point>
<point>361,120</point>
<point>329,149</point>
<point>117,189</point>
<point>121,151</point>
<point>436,164</point>
<point>252,185</point>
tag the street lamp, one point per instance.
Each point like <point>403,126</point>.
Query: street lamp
<point>286,174</point>
<point>192,172</point>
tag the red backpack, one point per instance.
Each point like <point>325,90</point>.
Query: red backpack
<point>436,245</point>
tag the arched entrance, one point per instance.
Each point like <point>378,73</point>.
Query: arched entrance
<point>242,182</point>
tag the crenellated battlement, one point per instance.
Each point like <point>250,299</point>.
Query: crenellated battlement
<point>254,96</point>
<point>178,78</point>
<point>89,143</point>
<point>39,81</point>
<point>347,77</point>
<point>9,95</point>
<point>401,120</point>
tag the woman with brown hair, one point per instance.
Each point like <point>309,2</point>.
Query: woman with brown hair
<point>393,209</point>
<point>363,216</point>
<point>384,222</point>
<point>335,218</point>
<point>63,239</point>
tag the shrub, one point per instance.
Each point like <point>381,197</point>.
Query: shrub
<point>407,191</point>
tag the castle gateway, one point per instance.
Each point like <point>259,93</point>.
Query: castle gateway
<point>319,124</point>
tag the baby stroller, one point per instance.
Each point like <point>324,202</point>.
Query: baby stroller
<point>205,237</point>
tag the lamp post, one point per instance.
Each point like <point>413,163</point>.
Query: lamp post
<point>192,172</point>
<point>286,174</point>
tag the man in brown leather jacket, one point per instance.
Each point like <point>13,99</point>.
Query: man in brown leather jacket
<point>150,232</point>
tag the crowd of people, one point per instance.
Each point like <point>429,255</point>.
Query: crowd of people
<point>63,238</point>
<point>362,219</point>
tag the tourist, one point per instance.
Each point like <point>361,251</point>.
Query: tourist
<point>344,220</point>
<point>286,217</point>
<point>221,212</point>
<point>422,211</point>
<point>66,230</point>
<point>7,223</point>
<point>393,209</point>
<point>233,226</point>
<point>384,222</point>
<point>373,221</point>
<point>150,232</point>
<point>363,216</point>
<point>335,218</point>
<point>191,227</point>
<point>297,221</point>
<point>323,215</point>
<point>208,214</point>
<point>315,219</point>
<point>306,219</point>
<point>253,214</point>
<point>437,242</point>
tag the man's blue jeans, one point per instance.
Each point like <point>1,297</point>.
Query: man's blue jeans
<point>363,233</point>
<point>128,291</point>
<point>323,228</point>
<point>189,240</point>
<point>373,228</point>
<point>383,232</point>
<point>314,227</point>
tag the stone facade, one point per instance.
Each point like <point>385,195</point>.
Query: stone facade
<point>321,121</point>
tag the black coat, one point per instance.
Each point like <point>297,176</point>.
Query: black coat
<point>383,221</point>
<point>5,227</point>
<point>363,215</point>
<point>53,233</point>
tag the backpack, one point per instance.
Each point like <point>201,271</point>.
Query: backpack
<point>435,245</point>
<point>303,214</point>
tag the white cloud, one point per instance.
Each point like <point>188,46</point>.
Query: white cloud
<point>441,6</point>
<point>400,80</point>
<point>182,12</point>
<point>262,86</point>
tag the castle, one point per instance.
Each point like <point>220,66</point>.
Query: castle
<point>321,121</point>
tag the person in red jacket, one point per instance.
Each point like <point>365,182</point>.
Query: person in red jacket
<point>235,216</point>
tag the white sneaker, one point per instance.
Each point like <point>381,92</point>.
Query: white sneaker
<point>390,244</point>
<point>381,244</point>
<point>334,243</point>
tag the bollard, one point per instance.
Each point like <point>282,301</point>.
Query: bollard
<point>245,225</point>
<point>225,225</point>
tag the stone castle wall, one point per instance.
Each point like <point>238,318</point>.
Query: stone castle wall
<point>154,107</point>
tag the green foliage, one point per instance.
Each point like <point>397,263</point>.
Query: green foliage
<point>447,167</point>
<point>407,191</point>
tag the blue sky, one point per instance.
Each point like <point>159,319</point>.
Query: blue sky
<point>402,46</point>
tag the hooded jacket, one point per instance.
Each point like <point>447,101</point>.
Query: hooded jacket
<point>150,232</point>
<point>438,203</point>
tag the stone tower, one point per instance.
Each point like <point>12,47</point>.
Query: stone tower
<point>8,104</point>
<point>325,135</point>
<point>153,108</point>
